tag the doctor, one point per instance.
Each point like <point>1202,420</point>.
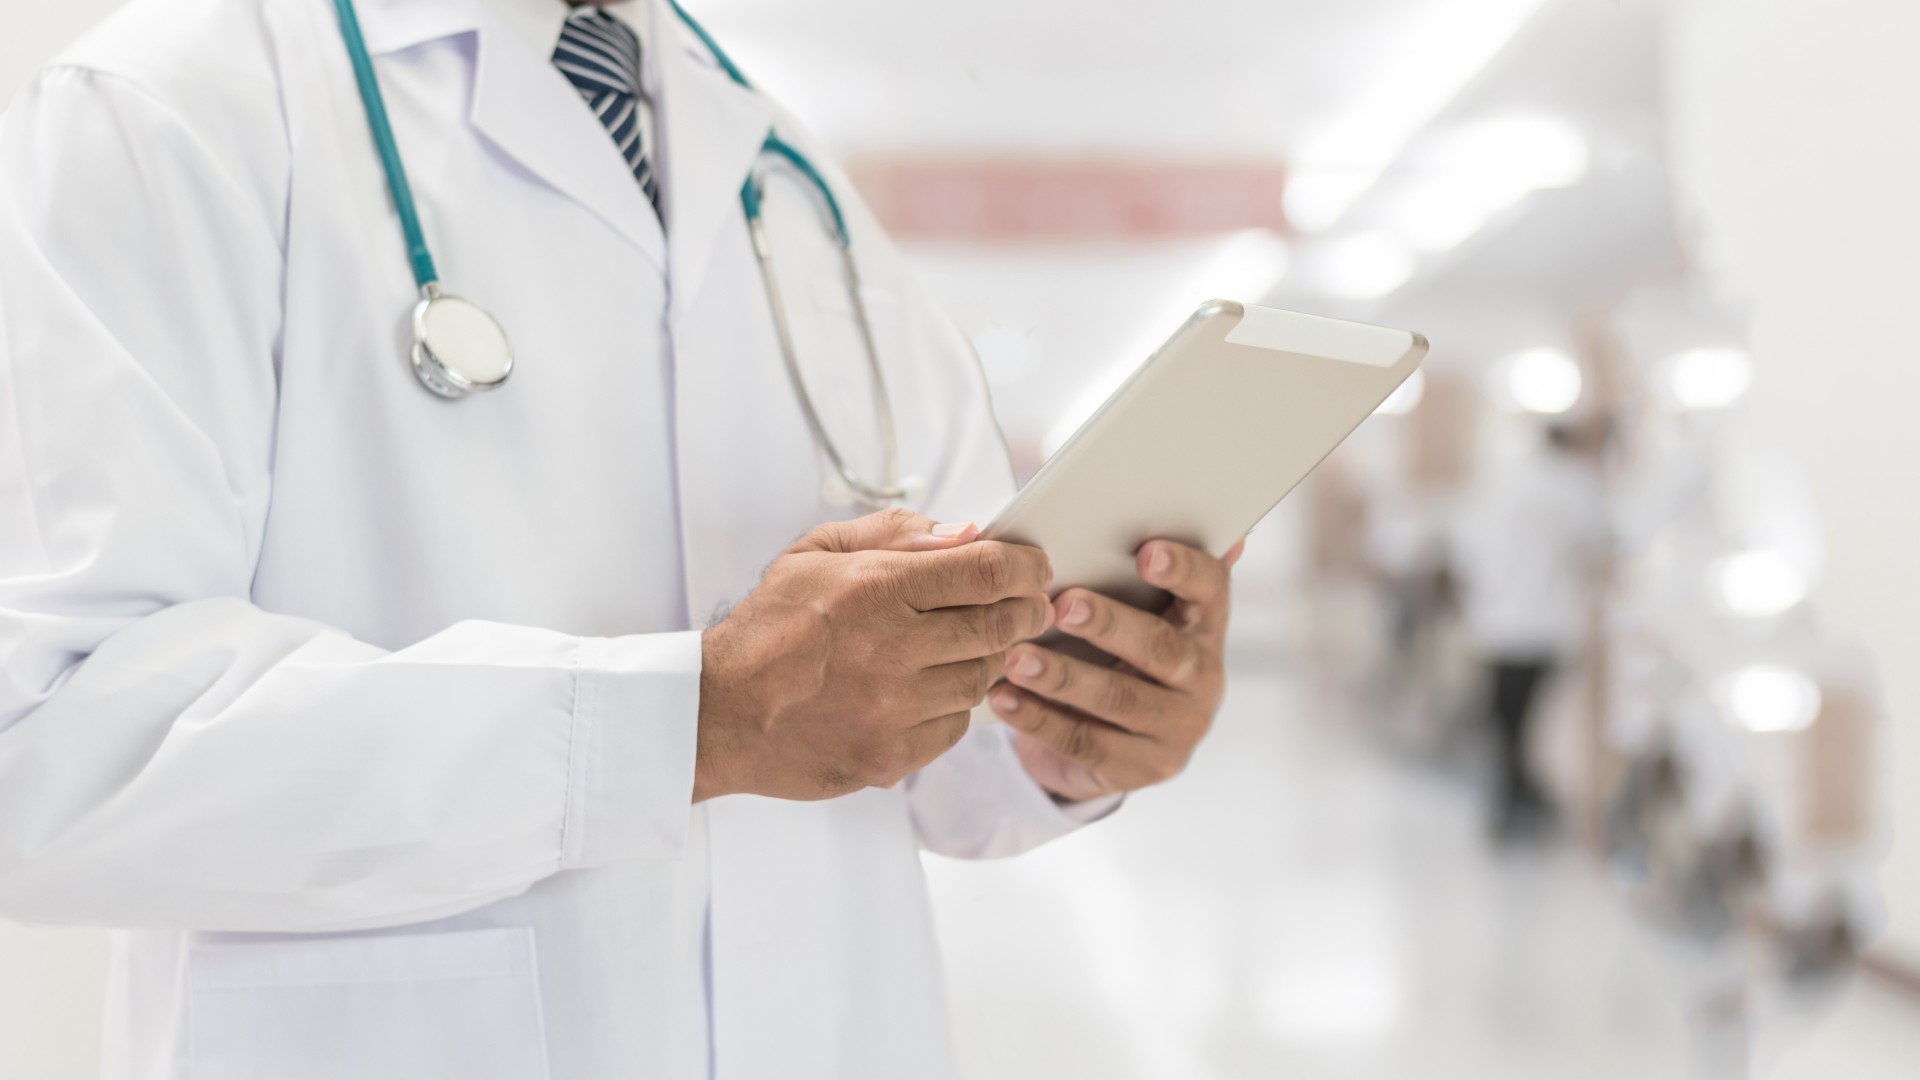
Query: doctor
<point>477,738</point>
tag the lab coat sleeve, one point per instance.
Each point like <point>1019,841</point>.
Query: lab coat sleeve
<point>977,801</point>
<point>171,754</point>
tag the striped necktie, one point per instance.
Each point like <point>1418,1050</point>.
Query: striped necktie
<point>600,55</point>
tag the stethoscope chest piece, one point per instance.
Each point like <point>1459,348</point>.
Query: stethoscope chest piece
<point>458,349</point>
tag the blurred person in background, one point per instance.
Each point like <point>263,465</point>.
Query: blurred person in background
<point>402,736</point>
<point>1529,543</point>
<point>1406,543</point>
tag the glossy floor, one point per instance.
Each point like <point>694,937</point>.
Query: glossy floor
<point>1302,904</point>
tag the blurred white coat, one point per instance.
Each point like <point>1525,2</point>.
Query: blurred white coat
<point>1528,542</point>
<point>370,717</point>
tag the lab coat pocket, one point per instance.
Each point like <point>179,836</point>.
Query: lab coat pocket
<point>454,1005</point>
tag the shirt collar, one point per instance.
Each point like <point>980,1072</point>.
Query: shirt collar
<point>537,22</point>
<point>392,25</point>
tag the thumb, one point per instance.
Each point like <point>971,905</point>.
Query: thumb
<point>889,530</point>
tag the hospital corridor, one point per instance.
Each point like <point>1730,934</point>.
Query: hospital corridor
<point>1352,922</point>
<point>1019,540</point>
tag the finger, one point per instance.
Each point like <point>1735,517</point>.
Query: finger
<point>1058,775</point>
<point>928,740</point>
<point>1123,700</point>
<point>1233,554</point>
<point>955,687</point>
<point>1109,751</point>
<point>898,529</point>
<point>1192,576</point>
<point>1153,646</point>
<point>963,633</point>
<point>982,572</point>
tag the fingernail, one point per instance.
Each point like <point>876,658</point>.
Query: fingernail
<point>1078,611</point>
<point>1027,665</point>
<point>1006,701</point>
<point>1159,562</point>
<point>951,528</point>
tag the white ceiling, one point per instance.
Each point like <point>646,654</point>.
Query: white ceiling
<point>1150,78</point>
<point>1212,79</point>
<point>1598,65</point>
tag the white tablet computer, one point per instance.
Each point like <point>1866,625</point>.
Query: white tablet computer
<point>1203,439</point>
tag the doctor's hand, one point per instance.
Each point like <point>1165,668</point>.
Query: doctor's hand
<point>1083,729</point>
<point>857,658</point>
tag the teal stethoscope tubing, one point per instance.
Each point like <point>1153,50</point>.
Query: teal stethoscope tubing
<point>749,192</point>
<point>375,102</point>
<point>424,273</point>
<point>889,490</point>
<point>427,277</point>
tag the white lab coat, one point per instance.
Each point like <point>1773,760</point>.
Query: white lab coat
<point>370,717</point>
<point>1528,545</point>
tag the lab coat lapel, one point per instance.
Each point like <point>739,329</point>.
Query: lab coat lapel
<point>712,130</point>
<point>527,108</point>
<point>735,493</point>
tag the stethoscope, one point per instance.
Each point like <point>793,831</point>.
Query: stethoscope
<point>459,349</point>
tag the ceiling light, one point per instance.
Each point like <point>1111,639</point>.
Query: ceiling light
<point>1545,381</point>
<point>1524,152</point>
<point>1709,378</point>
<point>1759,584</point>
<point>1767,697</point>
<point>1471,174</point>
<point>1363,267</point>
<point>1439,215</point>
<point>1405,396</point>
<point>1435,54</point>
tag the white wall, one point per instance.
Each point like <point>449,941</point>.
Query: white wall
<point>31,33</point>
<point>1795,134</point>
<point>50,981</point>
